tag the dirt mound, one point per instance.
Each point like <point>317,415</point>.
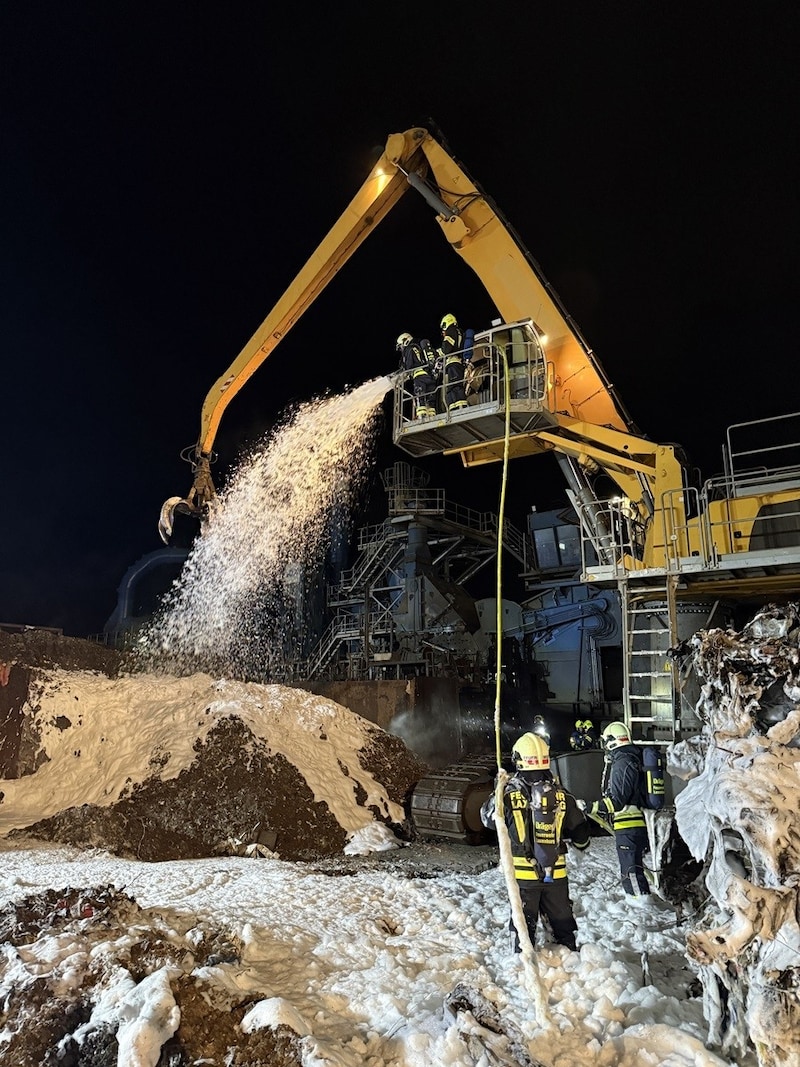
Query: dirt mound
<point>183,790</point>
<point>235,794</point>
<point>51,1020</point>
<point>42,648</point>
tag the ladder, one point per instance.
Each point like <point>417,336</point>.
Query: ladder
<point>650,629</point>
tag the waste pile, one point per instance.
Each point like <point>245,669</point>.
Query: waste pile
<point>739,812</point>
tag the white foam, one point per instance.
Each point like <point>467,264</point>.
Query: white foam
<point>237,607</point>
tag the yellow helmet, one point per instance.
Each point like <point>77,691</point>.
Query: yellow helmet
<point>448,321</point>
<point>615,735</point>
<point>531,753</point>
<point>403,340</point>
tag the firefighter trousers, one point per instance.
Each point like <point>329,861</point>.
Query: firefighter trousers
<point>631,847</point>
<point>552,900</point>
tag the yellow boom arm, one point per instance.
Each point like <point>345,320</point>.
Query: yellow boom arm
<point>476,232</point>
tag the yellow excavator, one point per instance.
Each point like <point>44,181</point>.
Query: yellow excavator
<point>677,551</point>
<point>415,159</point>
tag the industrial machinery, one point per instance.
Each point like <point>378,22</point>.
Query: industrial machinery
<point>679,552</point>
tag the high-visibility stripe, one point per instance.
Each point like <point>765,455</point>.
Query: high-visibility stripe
<point>524,870</point>
<point>519,823</point>
<point>628,821</point>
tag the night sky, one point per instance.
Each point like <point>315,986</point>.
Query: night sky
<point>166,170</point>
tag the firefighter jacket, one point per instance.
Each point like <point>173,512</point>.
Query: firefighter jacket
<point>582,739</point>
<point>541,817</point>
<point>452,342</point>
<point>622,790</point>
<point>413,359</point>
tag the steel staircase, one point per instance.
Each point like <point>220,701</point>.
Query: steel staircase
<point>462,541</point>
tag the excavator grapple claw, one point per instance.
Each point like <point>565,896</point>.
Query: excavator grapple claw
<point>198,500</point>
<point>166,520</point>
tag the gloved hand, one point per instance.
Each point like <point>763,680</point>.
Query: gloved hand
<point>581,803</point>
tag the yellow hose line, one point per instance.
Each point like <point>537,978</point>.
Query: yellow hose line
<point>500,522</point>
<point>531,976</point>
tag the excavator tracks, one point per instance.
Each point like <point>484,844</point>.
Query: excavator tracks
<point>447,803</point>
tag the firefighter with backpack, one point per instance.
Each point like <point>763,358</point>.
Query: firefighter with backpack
<point>624,790</point>
<point>418,359</point>
<point>541,817</point>
<point>453,363</point>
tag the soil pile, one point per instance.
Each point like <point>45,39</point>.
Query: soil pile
<point>236,787</point>
<point>43,648</point>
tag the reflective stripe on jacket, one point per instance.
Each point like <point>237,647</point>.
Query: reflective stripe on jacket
<point>629,818</point>
<point>622,788</point>
<point>572,825</point>
<point>525,871</point>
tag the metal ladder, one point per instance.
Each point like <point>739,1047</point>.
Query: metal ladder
<point>650,629</point>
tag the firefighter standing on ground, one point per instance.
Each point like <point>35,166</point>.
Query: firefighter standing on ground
<point>420,365</point>
<point>541,817</point>
<point>621,806</point>
<point>452,352</point>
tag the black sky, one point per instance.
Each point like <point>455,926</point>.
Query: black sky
<point>168,168</point>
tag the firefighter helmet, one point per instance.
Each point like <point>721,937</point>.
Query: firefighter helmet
<point>531,753</point>
<point>403,340</point>
<point>448,321</point>
<point>615,735</point>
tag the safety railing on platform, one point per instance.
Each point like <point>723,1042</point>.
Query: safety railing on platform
<point>762,449</point>
<point>375,555</point>
<point>727,516</point>
<point>518,544</point>
<point>515,346</point>
<point>122,640</point>
<point>348,626</point>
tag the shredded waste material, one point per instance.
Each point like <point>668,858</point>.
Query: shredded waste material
<point>739,814</point>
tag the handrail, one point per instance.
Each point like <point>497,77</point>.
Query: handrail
<point>785,440</point>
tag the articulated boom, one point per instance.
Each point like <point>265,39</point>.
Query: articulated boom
<point>475,231</point>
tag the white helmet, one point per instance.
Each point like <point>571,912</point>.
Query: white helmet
<point>403,340</point>
<point>531,753</point>
<point>615,735</point>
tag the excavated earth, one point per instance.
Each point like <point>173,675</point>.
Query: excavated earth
<point>232,792</point>
<point>236,789</point>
